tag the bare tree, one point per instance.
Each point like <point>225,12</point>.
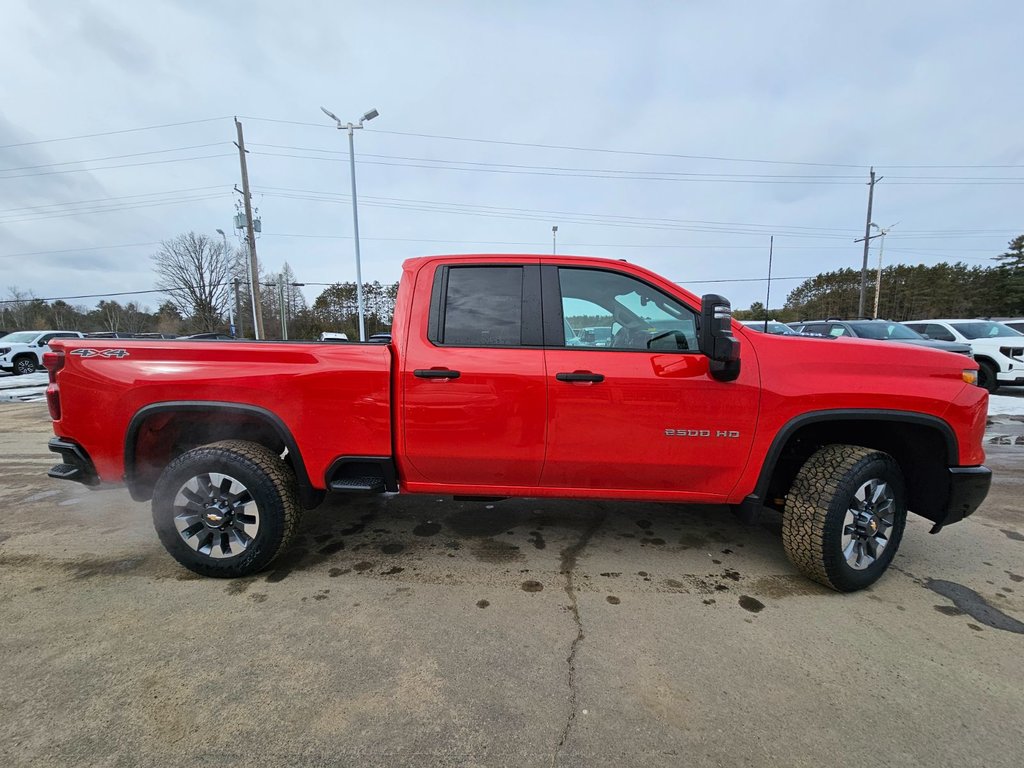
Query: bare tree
<point>196,271</point>
<point>19,306</point>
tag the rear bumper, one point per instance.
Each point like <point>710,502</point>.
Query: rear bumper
<point>76,464</point>
<point>968,487</point>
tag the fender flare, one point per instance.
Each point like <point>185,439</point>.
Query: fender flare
<point>852,414</point>
<point>308,495</point>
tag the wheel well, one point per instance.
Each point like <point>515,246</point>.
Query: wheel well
<point>159,434</point>
<point>921,450</point>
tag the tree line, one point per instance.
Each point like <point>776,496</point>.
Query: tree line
<point>911,292</point>
<point>208,283</point>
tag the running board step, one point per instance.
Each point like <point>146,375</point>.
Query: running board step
<point>358,484</point>
<point>65,472</point>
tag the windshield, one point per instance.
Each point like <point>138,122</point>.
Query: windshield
<point>984,330</point>
<point>884,331</point>
<point>20,337</point>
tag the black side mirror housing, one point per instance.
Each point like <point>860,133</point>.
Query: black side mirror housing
<point>716,339</point>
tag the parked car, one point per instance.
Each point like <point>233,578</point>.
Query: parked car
<point>879,330</point>
<point>998,348</point>
<point>1017,323</point>
<point>596,336</point>
<point>209,337</point>
<point>331,336</point>
<point>380,338</point>
<point>22,351</point>
<point>484,397</point>
<point>773,326</point>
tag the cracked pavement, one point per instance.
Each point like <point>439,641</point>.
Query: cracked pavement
<point>416,631</point>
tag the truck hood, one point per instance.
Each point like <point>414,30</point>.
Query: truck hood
<point>947,346</point>
<point>861,373</point>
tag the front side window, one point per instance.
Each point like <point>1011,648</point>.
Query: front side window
<point>612,310</point>
<point>984,330</point>
<point>483,307</point>
<point>935,332</point>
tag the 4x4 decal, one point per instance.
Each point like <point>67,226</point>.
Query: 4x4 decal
<point>118,353</point>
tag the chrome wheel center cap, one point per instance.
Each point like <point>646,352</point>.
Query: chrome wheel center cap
<point>215,516</point>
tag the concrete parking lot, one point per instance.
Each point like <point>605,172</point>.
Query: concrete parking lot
<point>423,631</point>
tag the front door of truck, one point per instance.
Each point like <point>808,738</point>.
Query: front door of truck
<point>631,404</point>
<point>472,377</point>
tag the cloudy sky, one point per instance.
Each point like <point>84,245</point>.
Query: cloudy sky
<point>677,135</point>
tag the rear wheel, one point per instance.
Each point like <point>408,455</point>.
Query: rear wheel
<point>24,364</point>
<point>844,516</point>
<point>226,509</point>
<point>987,376</point>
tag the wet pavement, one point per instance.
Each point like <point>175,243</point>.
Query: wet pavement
<point>425,631</point>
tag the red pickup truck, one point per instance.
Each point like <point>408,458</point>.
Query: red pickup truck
<point>486,390</point>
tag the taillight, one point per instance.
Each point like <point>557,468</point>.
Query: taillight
<point>53,362</point>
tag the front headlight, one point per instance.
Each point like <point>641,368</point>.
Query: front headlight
<point>4,350</point>
<point>970,376</point>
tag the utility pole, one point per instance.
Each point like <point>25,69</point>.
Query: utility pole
<point>554,240</point>
<point>257,311</point>
<point>867,244</point>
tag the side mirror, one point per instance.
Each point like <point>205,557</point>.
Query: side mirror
<point>716,339</point>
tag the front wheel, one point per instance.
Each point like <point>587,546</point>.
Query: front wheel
<point>844,516</point>
<point>24,364</point>
<point>226,509</point>
<point>987,376</point>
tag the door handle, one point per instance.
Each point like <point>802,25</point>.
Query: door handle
<point>435,373</point>
<point>596,378</point>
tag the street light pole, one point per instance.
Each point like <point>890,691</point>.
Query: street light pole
<point>351,127</point>
<point>554,240</point>
<point>231,316</point>
<point>881,247</point>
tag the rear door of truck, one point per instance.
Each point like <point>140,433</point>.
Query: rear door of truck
<point>474,411</point>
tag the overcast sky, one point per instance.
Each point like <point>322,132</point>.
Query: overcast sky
<point>720,124</point>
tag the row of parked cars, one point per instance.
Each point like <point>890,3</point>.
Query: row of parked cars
<point>998,347</point>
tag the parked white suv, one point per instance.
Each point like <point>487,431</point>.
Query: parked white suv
<point>998,349</point>
<point>22,351</point>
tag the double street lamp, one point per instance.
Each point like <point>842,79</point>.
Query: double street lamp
<point>351,127</point>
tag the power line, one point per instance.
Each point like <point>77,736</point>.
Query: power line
<point>624,175</point>
<point>552,168</point>
<point>103,200</point>
<point>78,250</point>
<point>113,133</point>
<point>582,174</point>
<point>859,166</point>
<point>109,209</point>
<point>601,217</point>
<point>122,165</point>
<point>114,157</point>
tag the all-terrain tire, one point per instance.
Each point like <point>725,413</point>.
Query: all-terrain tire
<point>815,521</point>
<point>249,487</point>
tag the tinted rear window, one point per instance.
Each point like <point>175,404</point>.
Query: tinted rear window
<point>484,307</point>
